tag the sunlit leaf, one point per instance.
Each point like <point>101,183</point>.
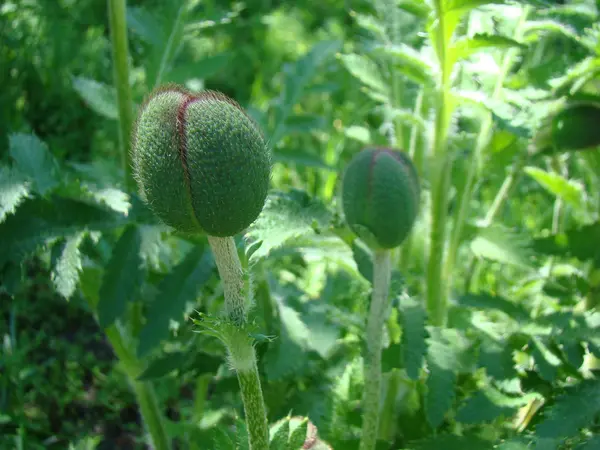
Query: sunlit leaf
<point>101,98</point>
<point>571,192</point>
<point>14,188</point>
<point>366,71</point>
<point>67,267</point>
<point>502,245</point>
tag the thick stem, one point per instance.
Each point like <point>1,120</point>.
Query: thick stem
<point>146,398</point>
<point>240,346</point>
<point>254,408</point>
<point>372,363</point>
<point>120,54</point>
<point>235,285</point>
<point>482,141</point>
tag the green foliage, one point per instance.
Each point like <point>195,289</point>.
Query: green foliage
<point>33,159</point>
<point>14,188</point>
<point>122,277</point>
<point>414,333</point>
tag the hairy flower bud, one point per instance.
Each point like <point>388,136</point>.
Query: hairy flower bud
<point>201,163</point>
<point>380,195</point>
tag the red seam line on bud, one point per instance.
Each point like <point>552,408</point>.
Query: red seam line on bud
<point>182,147</point>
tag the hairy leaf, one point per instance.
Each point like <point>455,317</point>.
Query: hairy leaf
<point>33,159</point>
<point>467,46</point>
<point>286,216</point>
<point>122,277</point>
<point>502,245</point>
<point>568,190</point>
<point>413,319</point>
<point>409,62</point>
<point>14,188</point>
<point>176,289</point>
<point>39,220</point>
<point>366,71</point>
<point>489,404</point>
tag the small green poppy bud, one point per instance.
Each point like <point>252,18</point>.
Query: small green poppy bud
<point>380,196</point>
<point>201,163</point>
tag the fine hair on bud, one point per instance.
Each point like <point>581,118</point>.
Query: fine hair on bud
<point>201,163</point>
<point>380,196</point>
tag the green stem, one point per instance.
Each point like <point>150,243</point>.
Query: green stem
<point>372,363</point>
<point>482,141</point>
<point>388,413</point>
<point>120,54</point>
<point>240,346</point>
<point>144,392</point>
<point>442,170</point>
<point>232,276</point>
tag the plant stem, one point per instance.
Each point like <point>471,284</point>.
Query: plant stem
<point>144,392</point>
<point>120,54</point>
<point>239,344</point>
<point>372,364</point>
<point>440,186</point>
<point>232,277</point>
<point>482,141</point>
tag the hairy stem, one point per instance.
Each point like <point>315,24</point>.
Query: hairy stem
<point>236,288</point>
<point>372,364</point>
<point>145,395</point>
<point>232,276</point>
<point>120,54</point>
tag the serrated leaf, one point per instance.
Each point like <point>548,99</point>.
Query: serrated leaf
<point>286,216</point>
<point>489,404</point>
<point>547,362</point>
<point>363,258</point>
<point>38,220</point>
<point>175,290</point>
<point>162,366</point>
<point>14,188</point>
<point>534,28</point>
<point>571,192</point>
<point>571,412</point>
<point>366,71</point>
<point>413,319</point>
<point>102,99</point>
<point>466,5</point>
<point>33,159</point>
<point>122,277</point>
<point>489,301</point>
<point>67,265</point>
<point>409,62</point>
<point>497,359</point>
<point>499,244</point>
<point>113,198</point>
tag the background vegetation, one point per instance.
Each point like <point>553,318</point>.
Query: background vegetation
<point>494,319</point>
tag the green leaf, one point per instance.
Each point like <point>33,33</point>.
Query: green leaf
<point>115,199</point>
<point>546,362</point>
<point>533,30</point>
<point>582,243</point>
<point>281,435</point>
<point>464,6</point>
<point>446,356</point>
<point>363,258</point>
<point>413,319</point>
<point>451,442</point>
<point>101,98</point>
<point>163,366</point>
<point>489,404</point>
<point>122,277</point>
<point>33,159</point>
<point>14,188</point>
<point>409,62</point>
<point>360,134</point>
<point>571,192</point>
<point>202,69</point>
<point>499,244</point>
<point>467,46</point>
<point>571,412</point>
<point>38,220</point>
<point>490,301</point>
<point>142,23</point>
<point>67,267</point>
<point>286,216</point>
<point>176,289</point>
<point>366,71</point>
<point>592,444</point>
<point>497,359</point>
<point>299,430</point>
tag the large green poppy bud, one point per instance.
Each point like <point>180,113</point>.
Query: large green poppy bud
<point>380,194</point>
<point>201,163</point>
